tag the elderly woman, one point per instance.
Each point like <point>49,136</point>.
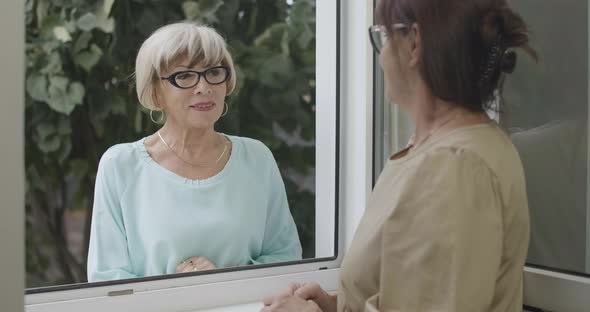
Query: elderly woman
<point>187,198</point>
<point>447,226</point>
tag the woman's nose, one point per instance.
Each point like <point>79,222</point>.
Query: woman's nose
<point>202,87</point>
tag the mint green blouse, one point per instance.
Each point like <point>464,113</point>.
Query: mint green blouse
<point>146,219</point>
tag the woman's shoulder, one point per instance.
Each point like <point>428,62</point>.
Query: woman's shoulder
<point>488,140</point>
<point>250,147</point>
<point>445,155</point>
<point>485,146</point>
<point>122,154</point>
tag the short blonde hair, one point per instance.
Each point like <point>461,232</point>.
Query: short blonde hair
<point>168,44</point>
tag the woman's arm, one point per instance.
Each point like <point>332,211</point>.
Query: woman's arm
<point>108,256</point>
<point>281,241</point>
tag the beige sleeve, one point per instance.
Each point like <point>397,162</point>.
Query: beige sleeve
<point>441,247</point>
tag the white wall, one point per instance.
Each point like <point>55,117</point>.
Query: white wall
<point>12,159</point>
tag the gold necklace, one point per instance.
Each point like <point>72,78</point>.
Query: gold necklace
<point>191,164</point>
<point>433,131</point>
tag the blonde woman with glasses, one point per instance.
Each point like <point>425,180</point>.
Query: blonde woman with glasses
<point>187,198</point>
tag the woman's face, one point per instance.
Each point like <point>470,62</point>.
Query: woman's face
<point>196,107</point>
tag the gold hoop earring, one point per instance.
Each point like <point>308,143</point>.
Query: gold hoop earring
<point>154,120</point>
<point>226,109</point>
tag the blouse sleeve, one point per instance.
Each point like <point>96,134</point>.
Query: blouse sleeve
<point>281,240</point>
<point>442,244</point>
<point>108,256</point>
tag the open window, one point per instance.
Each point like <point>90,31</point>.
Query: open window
<point>80,100</point>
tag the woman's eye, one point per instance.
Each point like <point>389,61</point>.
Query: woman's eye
<point>214,72</point>
<point>184,76</point>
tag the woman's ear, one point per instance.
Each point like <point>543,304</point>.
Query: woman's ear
<point>156,96</point>
<point>415,45</point>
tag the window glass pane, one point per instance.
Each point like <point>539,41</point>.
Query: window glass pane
<point>81,100</point>
<point>546,112</point>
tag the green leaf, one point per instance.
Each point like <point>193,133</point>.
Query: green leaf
<point>203,10</point>
<point>88,59</point>
<point>63,95</point>
<point>42,8</point>
<point>82,42</point>
<point>45,130</point>
<point>76,92</point>
<point>37,87</point>
<point>272,36</point>
<point>305,38</point>
<point>302,12</point>
<point>58,83</point>
<point>87,22</point>
<point>106,24</point>
<point>50,145</point>
<point>50,22</point>
<point>190,9</point>
<point>276,71</point>
<point>64,150</point>
<point>62,34</point>
<point>106,7</point>
<point>54,64</point>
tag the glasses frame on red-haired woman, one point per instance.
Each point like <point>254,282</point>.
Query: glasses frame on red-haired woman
<point>378,35</point>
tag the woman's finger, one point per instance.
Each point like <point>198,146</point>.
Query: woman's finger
<point>181,266</point>
<point>309,291</point>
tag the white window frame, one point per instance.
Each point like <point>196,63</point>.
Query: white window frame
<point>246,286</point>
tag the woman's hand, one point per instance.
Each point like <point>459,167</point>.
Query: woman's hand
<point>194,264</point>
<point>291,303</point>
<point>313,291</point>
<point>299,297</point>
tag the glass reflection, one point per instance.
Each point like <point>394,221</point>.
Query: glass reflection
<point>547,115</point>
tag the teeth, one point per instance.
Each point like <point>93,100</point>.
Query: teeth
<point>203,106</point>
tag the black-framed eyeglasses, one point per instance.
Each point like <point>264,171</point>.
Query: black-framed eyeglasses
<point>378,35</point>
<point>189,78</point>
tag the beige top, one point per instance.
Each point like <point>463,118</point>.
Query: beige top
<point>446,229</point>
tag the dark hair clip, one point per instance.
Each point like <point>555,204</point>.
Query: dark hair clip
<point>491,63</point>
<point>498,60</point>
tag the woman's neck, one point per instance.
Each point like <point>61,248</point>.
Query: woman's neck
<point>432,115</point>
<point>191,142</point>
<point>429,113</point>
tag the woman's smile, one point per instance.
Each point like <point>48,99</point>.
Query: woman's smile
<point>202,106</point>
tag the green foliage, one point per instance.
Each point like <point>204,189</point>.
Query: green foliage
<point>80,100</point>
